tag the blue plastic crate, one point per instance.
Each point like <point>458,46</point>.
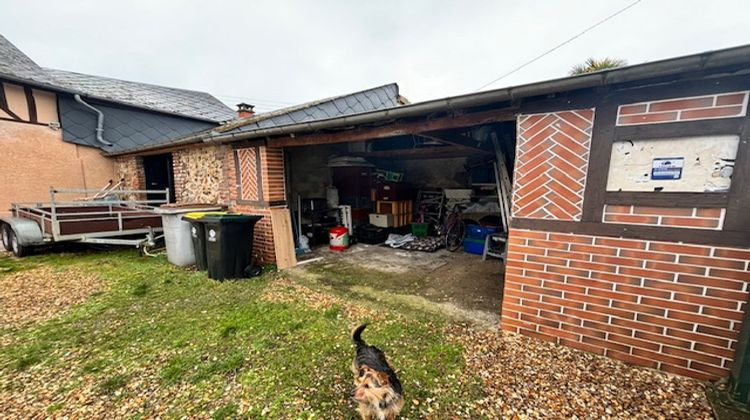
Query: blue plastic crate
<point>479,232</point>
<point>474,246</point>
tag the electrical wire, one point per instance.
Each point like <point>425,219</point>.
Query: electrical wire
<point>556,47</point>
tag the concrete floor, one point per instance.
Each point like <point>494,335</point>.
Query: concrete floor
<point>459,279</point>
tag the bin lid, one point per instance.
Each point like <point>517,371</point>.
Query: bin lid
<point>230,218</point>
<point>186,209</point>
<point>198,215</point>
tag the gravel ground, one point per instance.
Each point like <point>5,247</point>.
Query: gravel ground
<point>526,378</point>
<point>41,293</point>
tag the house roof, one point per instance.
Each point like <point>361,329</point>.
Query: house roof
<point>368,100</point>
<point>190,103</point>
<point>17,66</point>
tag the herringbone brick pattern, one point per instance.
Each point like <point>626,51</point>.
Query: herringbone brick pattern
<point>551,162</point>
<point>247,159</point>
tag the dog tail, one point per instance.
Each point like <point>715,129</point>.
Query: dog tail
<point>357,336</point>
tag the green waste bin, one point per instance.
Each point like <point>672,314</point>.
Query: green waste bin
<point>229,245</point>
<point>198,235</point>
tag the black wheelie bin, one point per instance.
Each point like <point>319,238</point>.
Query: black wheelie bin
<point>198,235</point>
<point>229,245</point>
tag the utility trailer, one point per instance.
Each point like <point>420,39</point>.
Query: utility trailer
<point>112,217</point>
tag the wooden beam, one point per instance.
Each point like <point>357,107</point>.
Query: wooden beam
<point>456,140</point>
<point>397,129</point>
<point>420,153</point>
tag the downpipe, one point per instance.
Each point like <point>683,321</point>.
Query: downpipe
<point>99,121</point>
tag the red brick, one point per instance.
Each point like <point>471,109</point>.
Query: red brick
<point>606,344</point>
<point>680,104</point>
<point>631,218</point>
<point>586,315</point>
<point>715,213</point>
<point>730,274</point>
<point>620,243</point>
<point>677,268</point>
<point>548,244</point>
<point>590,283</point>
<point>507,306</point>
<point>579,239</point>
<point>633,342</point>
<point>727,294</point>
<point>731,99</point>
<point>665,322</point>
<point>545,276</point>
<point>527,265</point>
<point>710,282</point>
<point>647,118</point>
<point>716,351</point>
<point>646,273</point>
<point>687,372</point>
<point>700,338</point>
<point>647,255</point>
<point>730,111</point>
<point>713,262</point>
<point>629,358</point>
<point>516,323</point>
<point>520,294</point>
<point>701,300</point>
<point>539,321</point>
<point>719,332</point>
<point>712,370</point>
<point>617,261</point>
<point>739,254</point>
<point>609,208</point>
<point>673,286</point>
<point>642,291</point>
<point>608,328</point>
<point>616,278</point>
<point>610,311</point>
<point>542,291</point>
<point>679,249</point>
<point>613,295</point>
<point>539,336</point>
<point>585,298</point>
<point>568,271</point>
<point>582,346</point>
<point>583,330</point>
<point>663,211</point>
<point>593,249</point>
<point>542,305</point>
<point>699,319</point>
<point>653,355</point>
<point>558,333</point>
<point>722,313</point>
<point>528,234</point>
<point>546,260</point>
<point>691,355</point>
<point>638,308</point>
<point>638,326</point>
<point>526,250</point>
<point>522,280</point>
<point>560,317</point>
<point>565,287</point>
<point>568,255</point>
<point>670,304</point>
<point>663,339</point>
<point>632,109</point>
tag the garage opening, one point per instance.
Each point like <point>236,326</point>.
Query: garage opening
<point>426,213</point>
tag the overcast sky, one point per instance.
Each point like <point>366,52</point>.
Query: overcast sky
<point>276,53</point>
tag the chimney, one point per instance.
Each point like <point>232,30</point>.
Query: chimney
<point>245,110</point>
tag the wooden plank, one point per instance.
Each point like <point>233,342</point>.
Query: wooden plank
<point>282,238</point>
<point>456,140</point>
<point>420,153</point>
<point>397,129</point>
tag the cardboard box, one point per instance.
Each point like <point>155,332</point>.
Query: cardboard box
<point>381,220</point>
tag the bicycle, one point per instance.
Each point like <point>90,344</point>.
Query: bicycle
<point>454,228</point>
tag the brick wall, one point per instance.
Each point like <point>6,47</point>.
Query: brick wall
<point>723,105</point>
<point>670,306</point>
<point>129,169</point>
<point>198,173</point>
<point>694,218</point>
<point>273,193</point>
<point>551,164</point>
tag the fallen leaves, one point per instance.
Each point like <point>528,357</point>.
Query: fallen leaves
<point>526,378</point>
<point>42,293</point>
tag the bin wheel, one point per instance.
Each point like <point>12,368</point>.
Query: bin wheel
<point>17,249</point>
<point>5,232</point>
<point>253,270</point>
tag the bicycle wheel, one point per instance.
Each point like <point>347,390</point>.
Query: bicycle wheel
<point>454,237</point>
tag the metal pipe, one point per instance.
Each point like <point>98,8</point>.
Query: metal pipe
<point>99,121</point>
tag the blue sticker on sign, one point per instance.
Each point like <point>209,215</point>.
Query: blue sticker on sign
<point>667,168</point>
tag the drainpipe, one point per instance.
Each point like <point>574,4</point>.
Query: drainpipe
<point>99,121</point>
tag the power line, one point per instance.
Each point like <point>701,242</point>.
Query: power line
<point>560,45</point>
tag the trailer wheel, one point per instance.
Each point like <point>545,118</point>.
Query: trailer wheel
<point>5,232</point>
<point>17,249</point>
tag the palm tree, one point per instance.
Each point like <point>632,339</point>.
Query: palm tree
<point>592,64</point>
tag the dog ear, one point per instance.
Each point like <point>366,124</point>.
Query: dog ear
<point>383,378</point>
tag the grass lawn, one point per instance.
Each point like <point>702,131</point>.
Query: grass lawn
<point>155,339</point>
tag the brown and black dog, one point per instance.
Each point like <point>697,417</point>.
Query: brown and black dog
<point>377,390</point>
